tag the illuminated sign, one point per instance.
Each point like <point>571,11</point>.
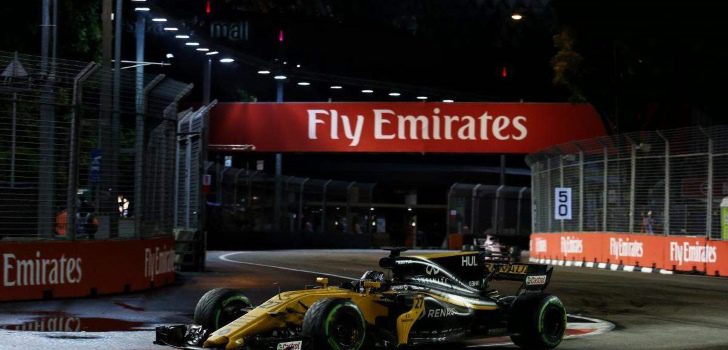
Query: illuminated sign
<point>401,127</point>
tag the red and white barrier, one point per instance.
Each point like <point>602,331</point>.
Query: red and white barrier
<point>671,253</point>
<point>62,269</point>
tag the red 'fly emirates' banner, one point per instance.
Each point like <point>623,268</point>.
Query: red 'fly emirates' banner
<point>400,127</point>
<point>63,269</point>
<point>663,252</point>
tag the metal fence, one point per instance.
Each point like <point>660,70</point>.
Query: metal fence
<point>191,151</point>
<point>489,210</point>
<point>667,182</point>
<point>75,162</point>
<point>246,203</point>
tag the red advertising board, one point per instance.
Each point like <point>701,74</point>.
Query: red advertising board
<point>633,249</point>
<point>720,265</point>
<point>61,269</point>
<point>670,253</point>
<point>400,127</point>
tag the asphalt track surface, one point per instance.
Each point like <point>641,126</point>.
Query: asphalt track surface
<point>650,311</point>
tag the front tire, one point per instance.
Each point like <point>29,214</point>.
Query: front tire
<point>219,307</point>
<point>537,321</point>
<point>335,324</point>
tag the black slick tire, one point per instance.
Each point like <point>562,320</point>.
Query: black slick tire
<point>334,324</point>
<point>219,307</point>
<point>537,321</point>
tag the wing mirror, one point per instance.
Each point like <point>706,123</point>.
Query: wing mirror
<point>323,281</point>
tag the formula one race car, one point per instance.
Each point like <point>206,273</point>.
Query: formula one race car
<point>429,299</point>
<point>494,249</point>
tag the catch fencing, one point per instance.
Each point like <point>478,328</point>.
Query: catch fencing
<point>668,182</point>
<point>78,163</point>
<point>245,200</point>
<point>480,210</point>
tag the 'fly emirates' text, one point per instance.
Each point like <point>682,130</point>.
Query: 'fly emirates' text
<point>388,125</point>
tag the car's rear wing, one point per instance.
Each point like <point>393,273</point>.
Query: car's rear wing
<point>535,277</point>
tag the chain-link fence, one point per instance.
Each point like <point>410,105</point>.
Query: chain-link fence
<point>77,163</point>
<point>669,182</point>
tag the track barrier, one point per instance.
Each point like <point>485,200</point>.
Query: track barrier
<point>63,269</point>
<point>668,253</point>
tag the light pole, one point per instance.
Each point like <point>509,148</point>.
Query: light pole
<point>206,87</point>
<point>278,195</point>
<point>139,34</point>
<point>206,81</point>
<point>207,75</point>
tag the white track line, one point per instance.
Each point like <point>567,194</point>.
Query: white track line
<point>224,257</point>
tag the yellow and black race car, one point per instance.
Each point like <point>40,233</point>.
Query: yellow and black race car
<point>422,299</point>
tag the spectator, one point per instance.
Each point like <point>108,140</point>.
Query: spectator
<point>648,223</point>
<point>308,227</point>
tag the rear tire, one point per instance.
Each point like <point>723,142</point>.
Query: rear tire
<point>220,306</point>
<point>537,321</point>
<point>335,324</point>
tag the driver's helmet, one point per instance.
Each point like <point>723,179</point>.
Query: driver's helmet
<point>376,276</point>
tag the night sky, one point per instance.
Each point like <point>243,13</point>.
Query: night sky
<point>644,65</point>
